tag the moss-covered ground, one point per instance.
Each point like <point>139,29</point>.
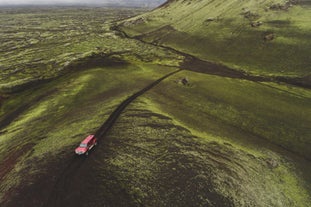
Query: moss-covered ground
<point>38,44</point>
<point>76,105</point>
<point>193,140</point>
<point>275,113</point>
<point>159,161</point>
<point>234,33</point>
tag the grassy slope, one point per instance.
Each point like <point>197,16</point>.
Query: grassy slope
<point>255,116</point>
<point>280,116</point>
<point>243,113</point>
<point>165,160</point>
<point>219,31</point>
<point>77,106</point>
<point>156,156</point>
<point>39,44</point>
<point>273,112</point>
<point>210,149</point>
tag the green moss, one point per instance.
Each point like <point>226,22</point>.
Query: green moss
<point>48,44</point>
<point>156,157</point>
<point>237,141</point>
<point>221,32</point>
<point>78,106</point>
<point>212,103</point>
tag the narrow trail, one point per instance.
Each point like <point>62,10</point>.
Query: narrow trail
<point>192,63</point>
<point>64,181</point>
<point>102,131</point>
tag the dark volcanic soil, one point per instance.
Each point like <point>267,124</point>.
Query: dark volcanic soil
<point>131,168</point>
<point>58,185</point>
<point>145,159</point>
<point>197,65</point>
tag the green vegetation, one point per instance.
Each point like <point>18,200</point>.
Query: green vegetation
<point>268,38</point>
<point>193,140</point>
<point>281,116</point>
<point>157,159</point>
<point>38,45</point>
<point>75,107</point>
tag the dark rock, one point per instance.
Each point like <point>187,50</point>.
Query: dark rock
<point>256,24</point>
<point>183,81</point>
<point>250,15</point>
<point>272,163</point>
<point>269,37</point>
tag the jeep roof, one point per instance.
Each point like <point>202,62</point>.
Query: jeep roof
<point>87,139</point>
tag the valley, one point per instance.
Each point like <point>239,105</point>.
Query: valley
<point>188,111</point>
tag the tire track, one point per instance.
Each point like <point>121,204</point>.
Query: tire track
<point>63,183</point>
<point>60,188</point>
<point>193,63</point>
<point>102,131</point>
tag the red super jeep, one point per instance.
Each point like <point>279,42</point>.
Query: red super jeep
<point>86,145</point>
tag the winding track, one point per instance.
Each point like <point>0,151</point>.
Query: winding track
<point>195,64</point>
<point>61,187</point>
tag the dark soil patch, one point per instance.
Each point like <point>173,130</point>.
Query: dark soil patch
<point>9,162</point>
<point>305,2</point>
<point>96,60</point>
<point>201,66</point>
<point>32,84</point>
<point>61,183</point>
<point>35,188</point>
<point>197,65</point>
<point>279,23</point>
<point>3,97</point>
<point>92,61</point>
<point>192,63</point>
<point>304,82</point>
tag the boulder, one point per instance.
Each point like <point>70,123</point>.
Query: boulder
<point>256,24</point>
<point>269,37</point>
<point>184,81</point>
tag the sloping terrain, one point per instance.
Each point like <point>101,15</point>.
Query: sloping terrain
<point>39,44</point>
<point>174,129</point>
<point>155,155</point>
<point>134,3</point>
<point>260,37</point>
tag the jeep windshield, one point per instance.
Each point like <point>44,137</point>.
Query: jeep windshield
<point>83,145</point>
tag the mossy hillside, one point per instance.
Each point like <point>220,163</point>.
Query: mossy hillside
<point>216,141</point>
<point>152,160</point>
<point>221,31</point>
<point>43,44</point>
<point>78,106</point>
<point>280,115</point>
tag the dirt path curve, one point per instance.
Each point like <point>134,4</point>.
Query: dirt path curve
<point>192,63</point>
<point>63,183</point>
